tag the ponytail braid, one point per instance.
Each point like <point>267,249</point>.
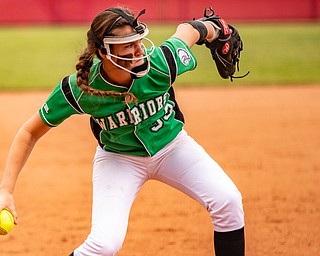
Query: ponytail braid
<point>83,72</point>
<point>83,67</point>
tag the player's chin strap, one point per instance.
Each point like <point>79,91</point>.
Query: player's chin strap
<point>141,31</point>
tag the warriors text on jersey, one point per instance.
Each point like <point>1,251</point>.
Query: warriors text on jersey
<point>141,128</point>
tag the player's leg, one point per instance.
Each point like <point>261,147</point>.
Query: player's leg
<point>186,166</point>
<point>116,182</point>
<point>229,243</point>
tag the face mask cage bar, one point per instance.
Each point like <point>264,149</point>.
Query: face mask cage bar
<point>146,53</point>
<point>145,56</point>
<point>141,31</point>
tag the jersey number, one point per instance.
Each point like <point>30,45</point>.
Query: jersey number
<point>168,110</point>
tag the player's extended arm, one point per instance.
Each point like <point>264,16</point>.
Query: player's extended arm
<point>21,147</point>
<point>192,35</point>
<point>222,39</point>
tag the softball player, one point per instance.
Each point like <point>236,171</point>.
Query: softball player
<point>126,89</point>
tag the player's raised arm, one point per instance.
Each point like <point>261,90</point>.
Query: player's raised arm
<point>196,31</point>
<point>222,39</point>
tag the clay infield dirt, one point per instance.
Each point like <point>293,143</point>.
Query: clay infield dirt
<point>266,138</point>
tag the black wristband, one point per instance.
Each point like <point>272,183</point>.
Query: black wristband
<point>201,28</point>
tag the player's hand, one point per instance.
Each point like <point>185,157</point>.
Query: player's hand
<point>7,202</point>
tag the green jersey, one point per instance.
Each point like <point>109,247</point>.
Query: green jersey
<point>141,128</point>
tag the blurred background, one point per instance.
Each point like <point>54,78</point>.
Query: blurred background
<point>83,11</point>
<point>40,40</point>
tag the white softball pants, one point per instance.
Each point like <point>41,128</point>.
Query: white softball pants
<point>182,164</point>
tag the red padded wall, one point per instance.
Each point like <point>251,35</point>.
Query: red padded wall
<point>83,11</point>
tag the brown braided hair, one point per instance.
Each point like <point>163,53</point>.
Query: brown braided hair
<point>100,25</point>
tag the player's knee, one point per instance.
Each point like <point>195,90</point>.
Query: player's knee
<point>105,247</point>
<point>227,214</point>
<point>108,249</point>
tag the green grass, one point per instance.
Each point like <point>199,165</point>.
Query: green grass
<point>38,57</point>
<point>286,54</point>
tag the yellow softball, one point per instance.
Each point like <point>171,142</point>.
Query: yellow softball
<point>6,222</point>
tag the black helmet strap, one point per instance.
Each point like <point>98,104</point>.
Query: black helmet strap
<point>133,23</point>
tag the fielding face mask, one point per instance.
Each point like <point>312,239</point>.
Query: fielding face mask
<point>140,31</point>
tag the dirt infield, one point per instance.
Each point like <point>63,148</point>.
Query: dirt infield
<point>267,140</point>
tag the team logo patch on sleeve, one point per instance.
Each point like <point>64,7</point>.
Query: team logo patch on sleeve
<point>46,108</point>
<point>184,56</point>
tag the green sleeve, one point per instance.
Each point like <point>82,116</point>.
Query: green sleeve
<point>56,108</point>
<point>184,58</point>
